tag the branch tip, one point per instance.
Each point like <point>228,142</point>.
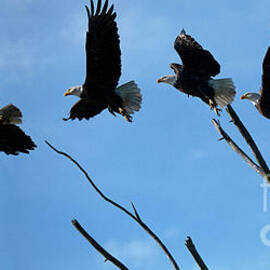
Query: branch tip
<point>135,211</point>
<point>192,249</point>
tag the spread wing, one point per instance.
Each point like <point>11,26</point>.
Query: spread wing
<point>13,140</point>
<point>194,57</point>
<point>265,90</point>
<point>177,68</point>
<point>86,109</point>
<point>103,54</point>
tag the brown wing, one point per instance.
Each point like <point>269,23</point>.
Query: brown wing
<point>13,140</point>
<point>84,109</point>
<point>103,54</point>
<point>194,57</point>
<point>265,90</point>
<point>177,68</point>
<point>264,102</point>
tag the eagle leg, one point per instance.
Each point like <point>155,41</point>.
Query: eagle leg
<point>217,110</point>
<point>111,110</point>
<point>213,106</point>
<point>125,114</point>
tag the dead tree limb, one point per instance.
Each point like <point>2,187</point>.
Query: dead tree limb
<point>192,249</point>
<point>98,247</point>
<point>237,149</point>
<point>135,217</point>
<point>261,167</point>
<point>246,135</point>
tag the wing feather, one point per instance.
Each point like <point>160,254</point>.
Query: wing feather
<point>110,11</point>
<point>84,109</point>
<point>98,7</point>
<point>265,90</point>
<point>105,7</point>
<point>177,68</point>
<point>13,140</point>
<point>92,8</point>
<point>266,74</point>
<point>194,57</point>
<point>103,54</point>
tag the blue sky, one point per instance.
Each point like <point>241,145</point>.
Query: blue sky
<point>168,162</point>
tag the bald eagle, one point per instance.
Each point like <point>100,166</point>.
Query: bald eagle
<point>194,76</point>
<point>261,100</point>
<point>103,70</point>
<point>12,139</point>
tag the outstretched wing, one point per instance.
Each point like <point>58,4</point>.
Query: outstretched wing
<point>13,140</point>
<point>86,109</point>
<point>265,90</point>
<point>177,68</point>
<point>103,54</point>
<point>194,57</point>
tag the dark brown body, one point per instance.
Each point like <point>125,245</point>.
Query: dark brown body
<point>198,67</point>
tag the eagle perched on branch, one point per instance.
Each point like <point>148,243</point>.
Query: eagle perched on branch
<point>103,70</point>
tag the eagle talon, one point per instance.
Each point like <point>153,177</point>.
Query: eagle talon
<point>128,118</point>
<point>121,111</point>
<point>217,111</point>
<point>125,114</point>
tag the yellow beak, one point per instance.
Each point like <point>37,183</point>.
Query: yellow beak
<point>159,80</point>
<point>66,94</point>
<point>243,97</point>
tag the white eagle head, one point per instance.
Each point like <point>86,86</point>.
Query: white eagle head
<point>253,97</point>
<point>169,79</point>
<point>75,91</point>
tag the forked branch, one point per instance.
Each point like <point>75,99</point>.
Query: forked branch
<point>135,216</point>
<point>246,135</point>
<point>236,148</point>
<point>261,167</point>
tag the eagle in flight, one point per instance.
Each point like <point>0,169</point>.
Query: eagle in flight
<point>12,139</point>
<point>194,76</point>
<point>103,70</point>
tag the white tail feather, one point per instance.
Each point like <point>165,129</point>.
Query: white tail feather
<point>224,91</point>
<point>131,95</point>
<point>11,114</point>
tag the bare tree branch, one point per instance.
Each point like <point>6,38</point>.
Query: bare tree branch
<point>134,217</point>
<point>262,168</point>
<point>98,247</point>
<point>135,211</point>
<point>237,149</point>
<point>191,247</point>
<point>246,135</point>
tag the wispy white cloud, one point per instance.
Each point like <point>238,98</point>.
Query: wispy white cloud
<point>197,154</point>
<point>135,34</point>
<point>136,252</point>
<point>172,233</point>
<point>21,56</point>
<point>16,54</point>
